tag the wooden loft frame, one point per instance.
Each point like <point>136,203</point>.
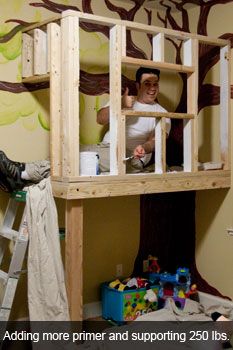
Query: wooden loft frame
<point>50,52</point>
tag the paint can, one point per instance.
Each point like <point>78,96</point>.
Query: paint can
<point>89,163</point>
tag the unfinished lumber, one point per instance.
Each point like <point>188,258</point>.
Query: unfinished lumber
<point>70,95</point>
<point>40,52</point>
<point>190,143</point>
<point>74,258</point>
<point>225,89</point>
<point>27,55</point>
<point>54,35</point>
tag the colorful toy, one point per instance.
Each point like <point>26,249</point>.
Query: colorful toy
<point>153,265</point>
<point>126,300</point>
<point>127,305</point>
<point>150,296</point>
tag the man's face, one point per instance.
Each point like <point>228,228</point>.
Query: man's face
<point>148,88</point>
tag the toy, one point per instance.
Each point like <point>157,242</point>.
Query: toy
<point>192,293</point>
<point>117,284</point>
<point>153,265</point>
<point>150,296</point>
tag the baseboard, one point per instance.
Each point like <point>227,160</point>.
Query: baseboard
<point>92,310</point>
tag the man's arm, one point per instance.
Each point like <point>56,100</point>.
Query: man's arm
<point>103,116</point>
<point>127,101</point>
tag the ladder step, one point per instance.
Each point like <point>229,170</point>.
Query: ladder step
<point>3,275</point>
<point>8,233</point>
<point>9,293</point>
<point>4,315</point>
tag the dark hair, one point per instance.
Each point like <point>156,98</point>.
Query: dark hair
<point>143,70</point>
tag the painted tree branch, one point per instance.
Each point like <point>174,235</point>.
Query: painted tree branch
<point>90,84</point>
<point>5,38</point>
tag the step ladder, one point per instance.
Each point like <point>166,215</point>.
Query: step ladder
<point>9,279</point>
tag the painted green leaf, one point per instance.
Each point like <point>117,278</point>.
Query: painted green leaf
<point>43,120</point>
<point>11,49</point>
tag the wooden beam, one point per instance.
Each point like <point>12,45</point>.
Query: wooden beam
<point>90,18</point>
<point>54,35</point>
<point>135,184</point>
<point>158,47</point>
<point>40,52</point>
<point>27,55</point>
<point>160,146</point>
<point>172,67</point>
<point>70,95</point>
<point>74,258</point>
<point>190,126</point>
<point>171,115</point>
<point>225,89</point>
<point>115,98</point>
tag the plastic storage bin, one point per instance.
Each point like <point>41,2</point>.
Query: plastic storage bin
<point>126,305</point>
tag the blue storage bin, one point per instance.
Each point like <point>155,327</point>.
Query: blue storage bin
<point>126,305</point>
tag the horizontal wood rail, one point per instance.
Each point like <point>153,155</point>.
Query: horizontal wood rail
<point>162,65</point>
<point>171,115</point>
<point>90,18</point>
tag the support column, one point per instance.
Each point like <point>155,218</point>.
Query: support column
<point>74,258</point>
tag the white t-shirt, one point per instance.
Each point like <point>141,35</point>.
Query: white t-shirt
<point>138,129</point>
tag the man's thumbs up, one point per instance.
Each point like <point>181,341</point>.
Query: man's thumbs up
<point>126,100</point>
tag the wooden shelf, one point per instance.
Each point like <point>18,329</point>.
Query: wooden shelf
<point>111,186</point>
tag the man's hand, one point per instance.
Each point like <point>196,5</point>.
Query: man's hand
<point>126,100</point>
<point>139,151</point>
<point>147,147</point>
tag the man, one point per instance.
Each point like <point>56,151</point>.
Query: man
<point>140,138</point>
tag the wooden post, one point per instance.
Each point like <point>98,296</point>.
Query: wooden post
<point>115,99</point>
<point>160,146</point>
<point>54,39</point>
<point>70,95</point>
<point>225,105</point>
<point>158,47</point>
<point>74,258</point>
<point>160,136</point>
<point>190,126</point>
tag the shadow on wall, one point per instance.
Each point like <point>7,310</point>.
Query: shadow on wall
<point>203,200</point>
